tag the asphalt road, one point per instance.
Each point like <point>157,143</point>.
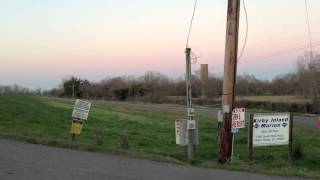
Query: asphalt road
<point>204,111</point>
<point>23,161</point>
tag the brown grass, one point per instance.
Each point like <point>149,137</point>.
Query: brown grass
<point>275,99</point>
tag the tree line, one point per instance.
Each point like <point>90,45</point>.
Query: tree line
<point>19,90</point>
<point>157,87</point>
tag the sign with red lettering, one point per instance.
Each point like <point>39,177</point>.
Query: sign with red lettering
<point>238,118</point>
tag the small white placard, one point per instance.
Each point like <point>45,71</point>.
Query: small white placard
<point>220,116</point>
<point>190,112</point>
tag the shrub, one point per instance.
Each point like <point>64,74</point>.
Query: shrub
<point>297,151</point>
<point>316,105</point>
<point>124,141</point>
<point>99,134</point>
<point>121,94</point>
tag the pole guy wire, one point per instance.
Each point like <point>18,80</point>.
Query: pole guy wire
<point>247,29</point>
<point>308,26</point>
<point>191,22</point>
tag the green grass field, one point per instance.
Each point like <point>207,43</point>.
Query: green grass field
<point>146,134</point>
<point>275,99</point>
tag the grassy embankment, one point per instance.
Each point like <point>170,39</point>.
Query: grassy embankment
<point>146,133</point>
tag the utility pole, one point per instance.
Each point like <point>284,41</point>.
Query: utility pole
<point>229,81</point>
<point>191,132</point>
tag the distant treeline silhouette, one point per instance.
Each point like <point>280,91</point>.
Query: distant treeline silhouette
<point>157,87</point>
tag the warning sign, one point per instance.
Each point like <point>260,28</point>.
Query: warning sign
<point>76,127</point>
<point>238,118</point>
<point>81,109</point>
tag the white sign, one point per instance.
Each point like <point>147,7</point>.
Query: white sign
<point>181,127</point>
<point>238,118</point>
<point>81,109</point>
<point>220,116</point>
<point>181,132</point>
<point>271,129</point>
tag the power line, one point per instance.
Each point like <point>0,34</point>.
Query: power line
<point>299,48</point>
<point>247,29</point>
<point>308,24</point>
<point>194,11</point>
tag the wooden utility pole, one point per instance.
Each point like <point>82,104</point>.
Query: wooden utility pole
<point>191,132</point>
<point>229,81</point>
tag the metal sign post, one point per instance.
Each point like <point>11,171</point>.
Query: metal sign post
<point>187,129</point>
<point>234,131</point>
<point>238,121</point>
<point>232,150</point>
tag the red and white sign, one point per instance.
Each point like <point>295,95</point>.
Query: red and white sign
<point>238,118</point>
<point>181,132</point>
<point>318,123</point>
<point>178,131</point>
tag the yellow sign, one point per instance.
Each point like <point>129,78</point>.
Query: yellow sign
<point>76,127</point>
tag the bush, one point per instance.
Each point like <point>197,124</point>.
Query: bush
<point>99,134</point>
<point>316,105</point>
<point>124,141</point>
<point>121,94</point>
<point>297,151</point>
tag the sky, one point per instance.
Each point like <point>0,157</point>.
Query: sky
<point>44,41</point>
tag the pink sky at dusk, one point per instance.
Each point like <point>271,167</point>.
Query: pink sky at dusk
<point>45,41</point>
